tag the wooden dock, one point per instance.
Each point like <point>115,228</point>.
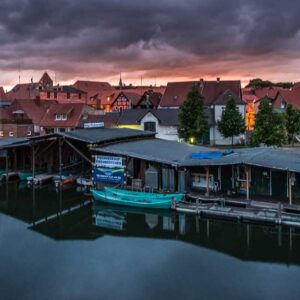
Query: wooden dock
<point>9,175</point>
<point>40,179</point>
<point>273,214</point>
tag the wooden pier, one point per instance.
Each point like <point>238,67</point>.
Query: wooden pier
<point>254,211</point>
<point>40,179</point>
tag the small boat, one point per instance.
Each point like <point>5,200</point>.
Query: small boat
<point>23,175</point>
<point>127,200</point>
<point>135,194</point>
<point>88,182</point>
<point>64,179</point>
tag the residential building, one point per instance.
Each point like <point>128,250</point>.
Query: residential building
<point>14,122</point>
<point>164,122</point>
<point>65,117</point>
<point>149,100</point>
<point>33,110</point>
<point>216,94</point>
<point>99,94</point>
<point>125,100</point>
<point>286,97</point>
<point>44,90</point>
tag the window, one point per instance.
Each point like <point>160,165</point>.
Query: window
<point>68,95</point>
<point>55,95</point>
<point>29,132</point>
<point>150,126</point>
<point>79,96</point>
<point>11,133</point>
<point>48,95</point>
<point>1,133</point>
<point>61,117</point>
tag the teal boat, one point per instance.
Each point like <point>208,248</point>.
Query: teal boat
<point>134,194</point>
<point>23,175</point>
<point>5,171</point>
<point>127,200</point>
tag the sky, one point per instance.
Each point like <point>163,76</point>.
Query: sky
<point>162,40</point>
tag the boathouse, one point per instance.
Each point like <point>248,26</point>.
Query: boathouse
<point>59,151</point>
<point>256,173</point>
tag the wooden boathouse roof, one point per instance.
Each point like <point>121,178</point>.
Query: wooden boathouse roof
<point>88,136</point>
<point>180,154</point>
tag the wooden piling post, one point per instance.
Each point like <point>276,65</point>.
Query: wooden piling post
<point>33,162</point>
<point>207,181</point>
<point>290,187</point>
<point>247,183</point>
<point>60,157</point>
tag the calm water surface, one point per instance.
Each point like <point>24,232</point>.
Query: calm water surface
<point>59,245</point>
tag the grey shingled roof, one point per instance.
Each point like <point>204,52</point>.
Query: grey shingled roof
<point>179,154</point>
<point>90,136</point>
<point>103,135</point>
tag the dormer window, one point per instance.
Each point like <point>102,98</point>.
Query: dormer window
<point>283,105</point>
<point>61,117</point>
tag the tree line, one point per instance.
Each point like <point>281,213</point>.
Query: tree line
<point>271,127</point>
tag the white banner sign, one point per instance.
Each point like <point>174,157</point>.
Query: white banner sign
<point>108,161</point>
<point>93,125</point>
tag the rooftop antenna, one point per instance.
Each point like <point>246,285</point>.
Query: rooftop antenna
<point>19,67</point>
<point>141,84</point>
<point>120,81</point>
<point>54,78</point>
<point>155,81</point>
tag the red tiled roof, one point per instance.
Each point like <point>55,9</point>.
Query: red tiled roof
<point>23,91</point>
<point>269,92</point>
<point>3,114</point>
<point>291,97</point>
<point>296,86</point>
<point>73,111</point>
<point>110,120</point>
<point>46,80</point>
<point>2,94</point>
<point>154,98</point>
<point>134,98</point>
<point>33,108</point>
<point>176,92</point>
<point>93,88</point>
<point>255,94</point>
<point>142,90</point>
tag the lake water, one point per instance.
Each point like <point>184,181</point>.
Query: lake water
<point>59,245</point>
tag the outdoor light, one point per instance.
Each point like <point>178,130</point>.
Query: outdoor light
<point>192,140</point>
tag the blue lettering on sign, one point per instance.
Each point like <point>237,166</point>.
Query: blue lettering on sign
<point>109,175</point>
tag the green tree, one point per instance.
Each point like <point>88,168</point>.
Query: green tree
<point>257,82</point>
<point>232,122</point>
<point>269,126</point>
<point>292,123</point>
<point>193,123</point>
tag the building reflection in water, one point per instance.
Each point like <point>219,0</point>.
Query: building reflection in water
<point>70,215</point>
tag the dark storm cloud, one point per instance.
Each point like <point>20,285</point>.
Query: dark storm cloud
<point>68,35</point>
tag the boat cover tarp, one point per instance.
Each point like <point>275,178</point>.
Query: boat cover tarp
<point>210,155</point>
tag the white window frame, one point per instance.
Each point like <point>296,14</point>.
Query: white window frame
<point>58,117</point>
<point>11,133</point>
<point>29,132</point>
<point>1,133</point>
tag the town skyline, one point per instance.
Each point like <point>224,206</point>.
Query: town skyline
<point>166,41</point>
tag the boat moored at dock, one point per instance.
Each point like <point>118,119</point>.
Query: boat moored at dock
<point>141,201</point>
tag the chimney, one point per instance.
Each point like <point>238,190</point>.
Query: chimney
<point>201,83</point>
<point>98,103</point>
<point>147,101</point>
<point>218,79</point>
